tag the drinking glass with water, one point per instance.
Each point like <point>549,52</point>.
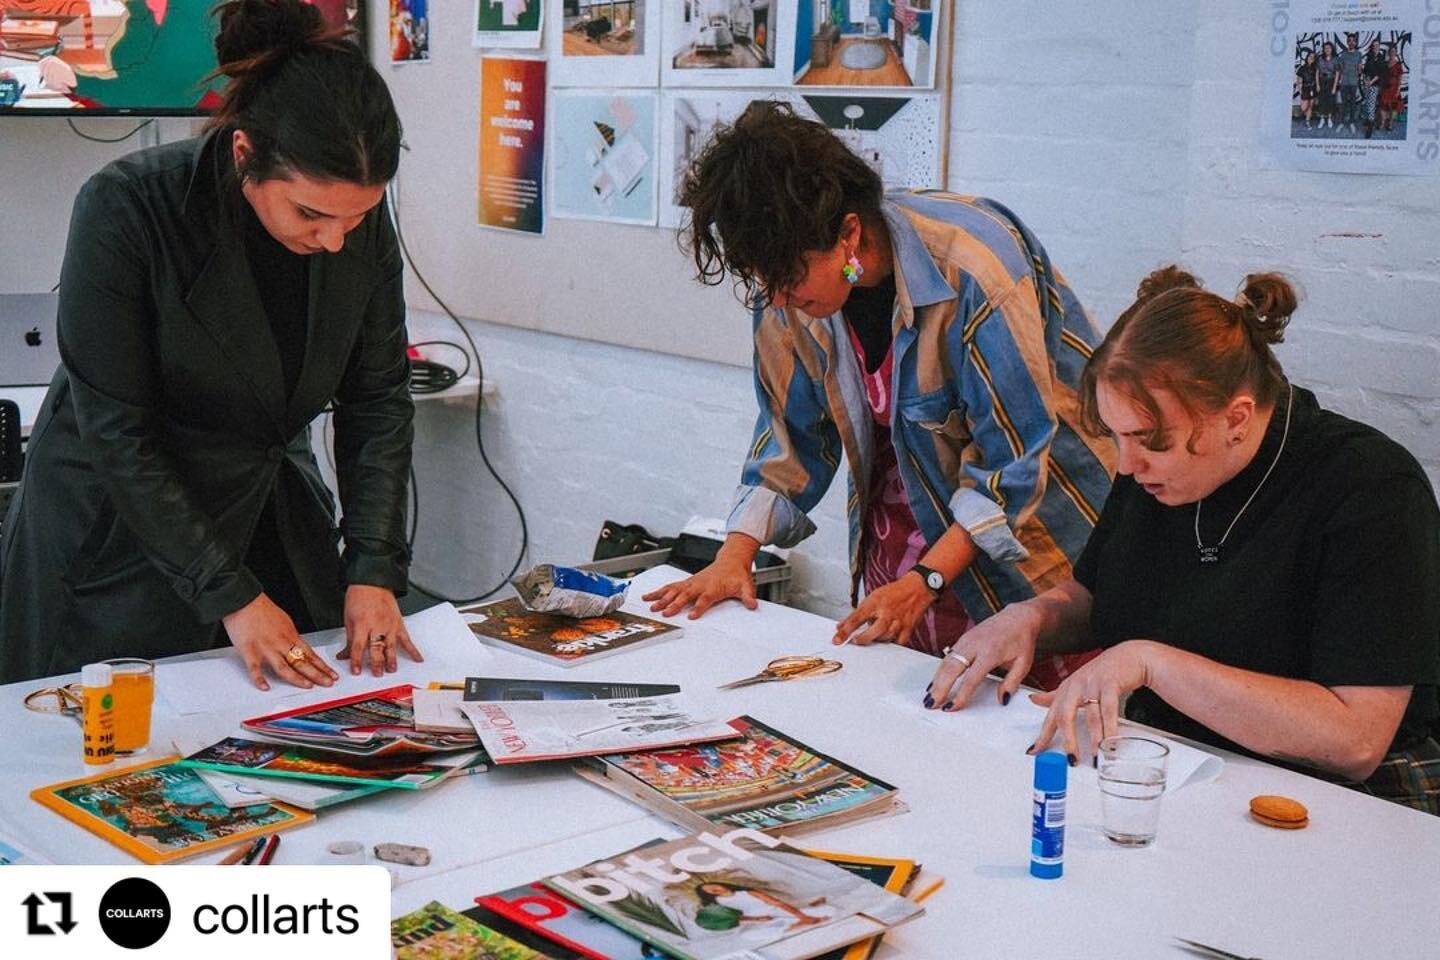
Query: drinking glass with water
<point>1132,779</point>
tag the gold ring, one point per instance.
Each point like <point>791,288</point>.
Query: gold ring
<point>296,654</point>
<point>377,640</point>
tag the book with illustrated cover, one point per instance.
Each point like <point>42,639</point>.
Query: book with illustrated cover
<point>762,779</point>
<point>521,933</point>
<point>251,757</point>
<point>378,723</point>
<point>435,932</point>
<point>741,893</point>
<point>581,933</point>
<point>521,731</point>
<point>556,639</point>
<point>160,811</point>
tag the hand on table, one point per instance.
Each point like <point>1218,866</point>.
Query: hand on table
<point>374,630</point>
<point>887,613</point>
<point>1005,640</point>
<point>265,636</point>
<point>722,580</point>
<point>1095,688</point>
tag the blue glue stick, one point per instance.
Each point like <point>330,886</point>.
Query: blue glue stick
<point>1047,830</point>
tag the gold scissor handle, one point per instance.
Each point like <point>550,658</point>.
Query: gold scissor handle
<point>788,668</point>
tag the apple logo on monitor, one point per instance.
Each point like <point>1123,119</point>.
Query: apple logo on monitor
<point>32,337</point>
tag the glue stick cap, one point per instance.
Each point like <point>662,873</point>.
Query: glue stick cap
<point>1051,771</point>
<point>96,675</point>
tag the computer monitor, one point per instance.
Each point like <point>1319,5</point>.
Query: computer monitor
<point>28,352</point>
<point>118,57</point>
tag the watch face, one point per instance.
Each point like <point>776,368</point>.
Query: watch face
<point>934,580</point>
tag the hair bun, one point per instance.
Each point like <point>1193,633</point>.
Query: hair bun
<point>1267,301</point>
<point>1171,277</point>
<point>252,29</point>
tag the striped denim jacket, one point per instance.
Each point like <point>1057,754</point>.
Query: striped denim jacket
<point>989,345</point>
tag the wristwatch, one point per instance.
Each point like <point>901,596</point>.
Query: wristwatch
<point>934,579</point>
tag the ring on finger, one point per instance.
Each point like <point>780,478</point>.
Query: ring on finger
<point>296,654</point>
<point>1089,700</point>
<point>959,658</point>
<point>378,640</point>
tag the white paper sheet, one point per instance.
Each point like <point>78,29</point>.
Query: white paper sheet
<point>450,650</point>
<point>1013,728</point>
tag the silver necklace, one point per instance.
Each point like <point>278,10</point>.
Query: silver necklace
<point>1212,554</point>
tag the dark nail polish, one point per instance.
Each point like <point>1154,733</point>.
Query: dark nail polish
<point>1004,699</point>
<point>929,701</point>
<point>1030,749</point>
<point>929,686</point>
<point>1095,762</point>
<point>1071,758</point>
<point>948,707</point>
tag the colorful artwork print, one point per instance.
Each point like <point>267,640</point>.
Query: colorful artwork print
<point>142,55</point>
<point>762,780</point>
<point>725,35</point>
<point>866,43</point>
<point>409,31</point>
<point>603,157</point>
<point>603,28</point>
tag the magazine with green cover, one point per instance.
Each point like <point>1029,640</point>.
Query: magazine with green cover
<point>765,779</point>
<point>740,893</point>
<point>238,755</point>
<point>435,932</point>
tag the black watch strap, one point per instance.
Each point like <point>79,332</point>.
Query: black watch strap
<point>934,579</point>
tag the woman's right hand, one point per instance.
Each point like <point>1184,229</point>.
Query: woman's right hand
<point>725,579</point>
<point>1005,640</point>
<point>266,636</point>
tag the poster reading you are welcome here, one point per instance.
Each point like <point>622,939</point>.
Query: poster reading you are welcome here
<point>512,144</point>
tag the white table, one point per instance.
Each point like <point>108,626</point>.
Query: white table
<point>1359,881</point>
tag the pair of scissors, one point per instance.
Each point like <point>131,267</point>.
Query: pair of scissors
<point>788,668</point>
<point>1205,950</point>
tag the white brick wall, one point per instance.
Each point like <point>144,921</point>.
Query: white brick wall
<point>1125,132</point>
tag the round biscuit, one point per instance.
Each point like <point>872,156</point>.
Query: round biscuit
<point>1280,824</point>
<point>1282,809</point>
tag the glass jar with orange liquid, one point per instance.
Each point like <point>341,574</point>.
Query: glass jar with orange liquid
<point>133,689</point>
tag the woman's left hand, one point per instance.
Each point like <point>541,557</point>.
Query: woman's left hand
<point>374,628</point>
<point>1095,688</point>
<point>891,612</point>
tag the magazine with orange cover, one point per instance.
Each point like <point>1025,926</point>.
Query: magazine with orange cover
<point>159,812</point>
<point>561,640</point>
<point>887,873</point>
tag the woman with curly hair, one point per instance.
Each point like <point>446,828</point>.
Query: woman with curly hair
<point>925,336</point>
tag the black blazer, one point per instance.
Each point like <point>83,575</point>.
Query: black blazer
<point>167,427</point>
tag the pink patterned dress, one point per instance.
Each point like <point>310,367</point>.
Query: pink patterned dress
<point>892,542</point>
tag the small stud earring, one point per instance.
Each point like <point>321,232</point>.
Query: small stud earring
<point>852,269</point>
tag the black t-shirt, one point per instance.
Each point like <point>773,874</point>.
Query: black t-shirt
<point>870,311</point>
<point>1332,574</point>
<point>283,281</point>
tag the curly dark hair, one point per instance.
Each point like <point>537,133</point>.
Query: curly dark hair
<point>766,190</point>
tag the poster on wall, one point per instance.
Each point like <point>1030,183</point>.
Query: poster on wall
<point>513,24</point>
<point>898,135</point>
<point>603,155</point>
<point>512,144</point>
<point>610,43</point>
<point>1346,88</point>
<point>727,43</point>
<point>867,43</point>
<point>409,31</point>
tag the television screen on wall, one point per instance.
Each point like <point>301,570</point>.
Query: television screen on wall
<point>118,57</point>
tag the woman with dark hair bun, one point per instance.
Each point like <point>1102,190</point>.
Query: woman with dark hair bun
<point>1264,575</point>
<point>926,336</point>
<point>216,296</point>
